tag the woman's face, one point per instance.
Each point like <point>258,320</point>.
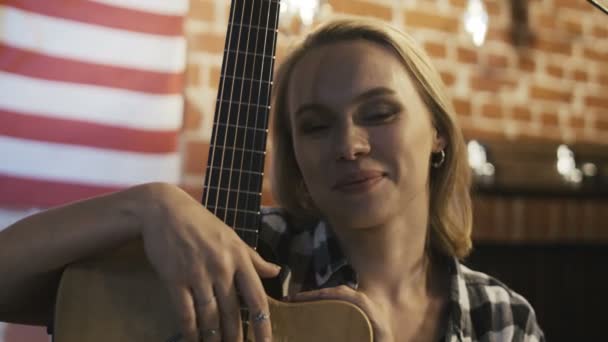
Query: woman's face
<point>362,135</point>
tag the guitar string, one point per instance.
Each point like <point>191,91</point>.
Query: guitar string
<point>263,64</point>
<point>236,63</point>
<point>253,243</point>
<point>262,25</point>
<point>238,114</point>
<point>247,112</point>
<point>213,146</point>
<point>249,105</point>
<point>244,309</point>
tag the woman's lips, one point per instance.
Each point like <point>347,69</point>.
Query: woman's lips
<point>358,182</point>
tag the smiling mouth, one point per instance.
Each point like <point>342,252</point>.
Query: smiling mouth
<point>359,185</point>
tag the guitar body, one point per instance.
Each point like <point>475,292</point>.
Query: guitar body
<point>118,297</point>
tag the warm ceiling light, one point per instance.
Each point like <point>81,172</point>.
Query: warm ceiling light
<point>476,21</point>
<point>305,10</point>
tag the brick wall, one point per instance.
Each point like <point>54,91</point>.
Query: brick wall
<point>552,88</point>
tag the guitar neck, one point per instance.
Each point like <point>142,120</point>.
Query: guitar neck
<point>233,180</point>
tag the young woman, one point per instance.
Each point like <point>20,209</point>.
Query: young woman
<point>371,175</point>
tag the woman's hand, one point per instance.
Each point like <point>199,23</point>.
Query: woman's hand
<point>202,261</point>
<point>381,328</point>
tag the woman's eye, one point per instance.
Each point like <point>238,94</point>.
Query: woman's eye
<point>312,127</point>
<point>379,112</point>
<point>380,117</point>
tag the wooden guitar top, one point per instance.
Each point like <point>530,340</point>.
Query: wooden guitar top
<point>118,297</point>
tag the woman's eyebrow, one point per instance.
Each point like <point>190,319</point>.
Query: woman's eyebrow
<point>312,107</point>
<point>317,107</point>
<point>378,91</point>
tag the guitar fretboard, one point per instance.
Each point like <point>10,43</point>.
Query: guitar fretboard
<point>233,181</point>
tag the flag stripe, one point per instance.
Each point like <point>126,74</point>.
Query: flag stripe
<point>91,97</point>
<point>91,43</point>
<point>33,64</point>
<point>102,105</point>
<point>74,132</point>
<point>103,14</point>
<point>174,7</point>
<point>27,192</point>
<point>86,165</point>
<point>8,216</point>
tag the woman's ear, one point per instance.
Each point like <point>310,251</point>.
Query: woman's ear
<point>439,142</point>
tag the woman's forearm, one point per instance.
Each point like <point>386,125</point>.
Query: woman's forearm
<point>34,250</point>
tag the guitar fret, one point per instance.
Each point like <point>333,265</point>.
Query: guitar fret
<point>230,148</point>
<point>260,130</point>
<point>266,29</point>
<point>247,78</point>
<point>246,230</point>
<point>234,210</point>
<point>235,170</point>
<point>247,53</point>
<point>237,191</point>
<point>243,104</point>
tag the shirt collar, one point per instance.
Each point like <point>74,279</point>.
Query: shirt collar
<point>459,305</point>
<point>331,268</point>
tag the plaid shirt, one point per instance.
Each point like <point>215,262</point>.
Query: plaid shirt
<point>481,307</point>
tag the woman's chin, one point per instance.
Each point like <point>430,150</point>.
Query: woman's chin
<point>360,217</point>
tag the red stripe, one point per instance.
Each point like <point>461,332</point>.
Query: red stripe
<point>33,64</point>
<point>18,192</point>
<point>19,333</point>
<point>105,15</point>
<point>73,132</point>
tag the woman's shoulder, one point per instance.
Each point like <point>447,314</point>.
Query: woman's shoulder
<point>496,311</point>
<point>484,288</point>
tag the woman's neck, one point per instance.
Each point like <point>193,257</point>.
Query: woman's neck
<point>391,259</point>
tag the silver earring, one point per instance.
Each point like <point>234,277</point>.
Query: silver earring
<point>437,164</point>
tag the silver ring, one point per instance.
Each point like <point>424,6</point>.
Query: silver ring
<point>209,332</point>
<point>260,317</point>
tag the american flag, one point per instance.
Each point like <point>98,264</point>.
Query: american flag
<point>90,99</point>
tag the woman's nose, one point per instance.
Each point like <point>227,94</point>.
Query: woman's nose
<point>352,142</point>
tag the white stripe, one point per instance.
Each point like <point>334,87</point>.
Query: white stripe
<point>10,216</point>
<point>506,334</point>
<point>497,294</point>
<point>168,7</point>
<point>96,104</point>
<point>91,43</point>
<point>463,293</point>
<point>85,165</point>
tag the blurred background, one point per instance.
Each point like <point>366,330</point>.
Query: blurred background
<point>99,95</point>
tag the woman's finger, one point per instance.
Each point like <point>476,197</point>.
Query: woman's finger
<point>255,298</point>
<point>264,268</point>
<point>184,306</point>
<point>207,314</point>
<point>230,312</point>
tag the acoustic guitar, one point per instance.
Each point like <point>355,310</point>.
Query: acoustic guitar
<point>119,297</point>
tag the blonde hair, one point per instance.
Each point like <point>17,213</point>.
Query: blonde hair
<point>450,218</point>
